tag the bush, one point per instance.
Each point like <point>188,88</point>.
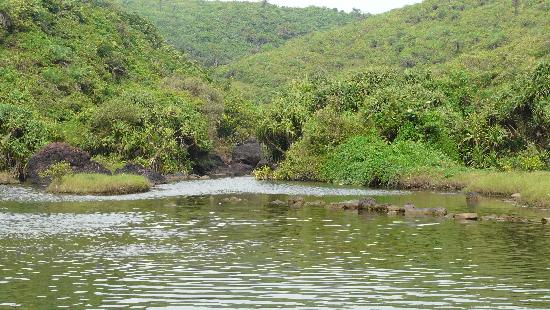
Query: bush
<point>372,161</point>
<point>239,120</point>
<point>57,171</point>
<point>263,173</point>
<point>7,178</point>
<point>162,130</point>
<point>21,134</point>
<point>301,165</point>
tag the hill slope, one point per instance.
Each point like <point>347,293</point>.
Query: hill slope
<point>215,32</point>
<point>478,34</point>
<point>101,79</point>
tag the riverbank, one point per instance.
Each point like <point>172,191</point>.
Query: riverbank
<point>530,188</point>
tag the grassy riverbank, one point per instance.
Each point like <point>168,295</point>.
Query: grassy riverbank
<point>533,187</point>
<point>99,184</point>
<point>7,178</point>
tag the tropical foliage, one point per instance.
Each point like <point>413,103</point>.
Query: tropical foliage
<point>413,117</point>
<point>87,73</point>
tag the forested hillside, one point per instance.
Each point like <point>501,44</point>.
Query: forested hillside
<point>216,32</point>
<point>426,90</point>
<point>87,73</point>
<point>490,36</point>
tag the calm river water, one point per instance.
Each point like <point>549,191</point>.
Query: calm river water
<point>184,247</point>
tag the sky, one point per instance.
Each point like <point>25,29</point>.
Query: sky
<point>367,6</point>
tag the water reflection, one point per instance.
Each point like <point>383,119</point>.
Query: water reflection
<point>205,253</point>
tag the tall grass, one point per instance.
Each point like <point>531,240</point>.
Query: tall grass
<point>7,178</point>
<point>99,184</point>
<point>534,187</point>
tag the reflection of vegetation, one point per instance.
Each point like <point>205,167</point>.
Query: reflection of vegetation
<point>99,184</point>
<point>216,32</point>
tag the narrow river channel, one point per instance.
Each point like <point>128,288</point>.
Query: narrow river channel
<point>186,245</point>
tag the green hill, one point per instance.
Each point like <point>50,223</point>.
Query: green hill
<point>216,32</point>
<point>428,89</point>
<point>490,35</point>
<point>101,79</point>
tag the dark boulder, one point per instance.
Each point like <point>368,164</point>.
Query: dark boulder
<point>208,164</point>
<point>235,169</point>
<point>352,205</point>
<point>395,210</point>
<point>153,176</point>
<point>317,203</point>
<point>54,153</point>
<point>248,153</point>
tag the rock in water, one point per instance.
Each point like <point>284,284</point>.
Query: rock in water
<point>54,153</point>
<point>466,216</point>
<point>317,203</point>
<point>296,202</point>
<point>278,203</point>
<point>346,205</point>
<point>153,176</point>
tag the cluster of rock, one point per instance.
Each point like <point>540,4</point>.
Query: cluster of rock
<point>244,159</point>
<point>80,162</point>
<point>369,205</point>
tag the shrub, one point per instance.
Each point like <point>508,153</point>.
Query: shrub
<point>57,171</point>
<point>300,164</point>
<point>161,129</point>
<point>372,161</point>
<point>239,120</point>
<point>21,134</point>
<point>263,173</point>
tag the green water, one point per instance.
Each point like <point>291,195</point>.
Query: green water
<point>202,252</point>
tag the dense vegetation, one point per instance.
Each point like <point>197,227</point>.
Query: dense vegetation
<point>494,38</point>
<point>410,119</point>
<point>216,32</point>
<point>422,96</point>
<point>101,79</point>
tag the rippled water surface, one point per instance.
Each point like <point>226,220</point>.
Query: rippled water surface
<point>203,252</point>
